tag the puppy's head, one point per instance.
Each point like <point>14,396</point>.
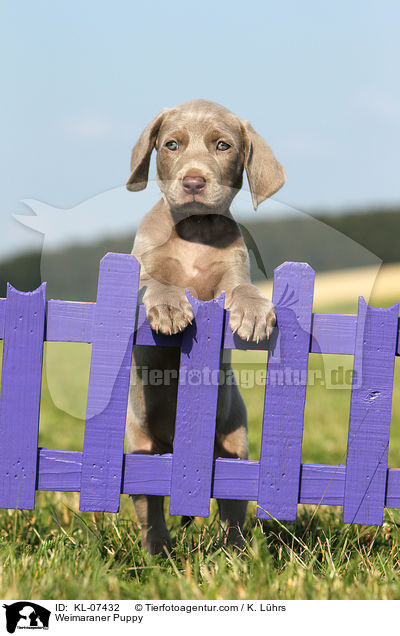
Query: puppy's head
<point>202,151</point>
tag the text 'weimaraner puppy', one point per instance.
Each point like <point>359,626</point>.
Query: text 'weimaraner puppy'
<point>190,241</point>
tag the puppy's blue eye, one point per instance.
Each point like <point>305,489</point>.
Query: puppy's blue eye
<point>172,145</point>
<point>222,145</point>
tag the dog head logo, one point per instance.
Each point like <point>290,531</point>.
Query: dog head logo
<point>26,615</point>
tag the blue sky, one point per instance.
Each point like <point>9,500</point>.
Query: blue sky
<point>319,81</point>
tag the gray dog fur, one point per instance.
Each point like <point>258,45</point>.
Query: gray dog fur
<point>190,241</point>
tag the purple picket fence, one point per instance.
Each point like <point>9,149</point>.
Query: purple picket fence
<point>191,476</point>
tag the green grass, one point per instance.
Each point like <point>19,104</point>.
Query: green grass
<point>58,552</point>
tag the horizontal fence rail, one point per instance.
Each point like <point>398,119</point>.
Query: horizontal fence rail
<point>73,322</point>
<point>191,475</point>
<point>320,484</point>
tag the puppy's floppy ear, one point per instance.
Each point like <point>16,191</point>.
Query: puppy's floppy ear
<point>264,173</point>
<point>141,153</point>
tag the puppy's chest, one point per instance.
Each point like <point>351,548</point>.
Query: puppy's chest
<point>194,266</point>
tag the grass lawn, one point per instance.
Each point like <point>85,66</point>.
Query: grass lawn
<point>57,552</point>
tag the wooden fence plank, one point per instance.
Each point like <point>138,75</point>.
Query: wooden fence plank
<point>110,369</point>
<point>370,411</point>
<point>147,474</point>
<point>59,470</point>
<point>322,484</point>
<point>333,333</point>
<point>20,396</point>
<point>70,321</point>
<point>393,488</point>
<point>196,410</point>
<point>286,392</point>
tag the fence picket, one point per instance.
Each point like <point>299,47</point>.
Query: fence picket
<point>113,330</point>
<point>285,394</point>
<point>192,462</point>
<point>370,411</point>
<point>20,396</point>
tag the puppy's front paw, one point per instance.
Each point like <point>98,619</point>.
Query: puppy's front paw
<point>171,316</point>
<point>252,316</point>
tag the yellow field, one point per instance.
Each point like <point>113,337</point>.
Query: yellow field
<point>339,290</point>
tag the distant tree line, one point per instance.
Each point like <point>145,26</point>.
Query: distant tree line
<point>71,272</point>
<point>377,230</point>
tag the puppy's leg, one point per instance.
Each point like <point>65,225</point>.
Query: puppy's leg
<point>232,441</point>
<point>149,429</point>
<point>150,512</point>
<point>232,514</point>
<point>149,508</point>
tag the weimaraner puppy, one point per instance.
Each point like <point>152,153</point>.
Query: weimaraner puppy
<point>190,241</point>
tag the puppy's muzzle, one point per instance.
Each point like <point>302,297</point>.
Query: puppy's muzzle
<point>193,184</point>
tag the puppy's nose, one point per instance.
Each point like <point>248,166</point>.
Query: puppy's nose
<point>192,184</point>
